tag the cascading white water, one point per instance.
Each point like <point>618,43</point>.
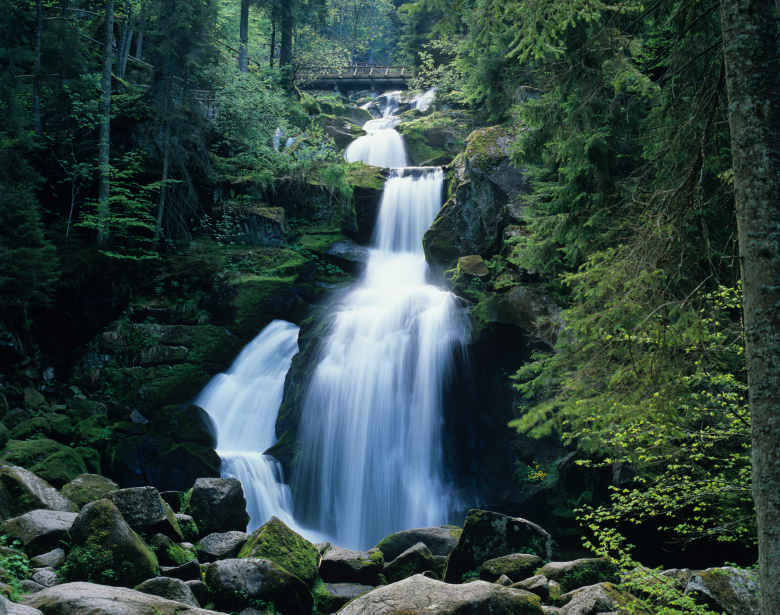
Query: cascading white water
<point>424,100</point>
<point>382,146</point>
<point>371,421</point>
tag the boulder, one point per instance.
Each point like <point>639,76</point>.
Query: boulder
<point>144,511</point>
<point>597,599</point>
<point>5,435</point>
<point>47,577</point>
<point>218,505</point>
<point>188,527</point>
<point>219,546</point>
<point>341,131</point>
<point>87,488</point>
<point>83,598</point>
<point>170,589</point>
<point>61,427</point>
<point>168,552</point>
<point>348,255</point>
<point>488,535</point>
<point>53,559</point>
<point>37,425</point>
<point>344,566</point>
<point>61,467</point>
<point>255,225</point>
<point>517,566</point>
<point>276,542</point>
<point>200,590</point>
<point>174,499</point>
<point>330,597</point>
<point>580,572</point>
<point>185,423</point>
<point>16,417</point>
<point>440,540</point>
<point>186,572</point>
<point>12,608</point>
<point>726,590</point>
<point>30,587</point>
<point>473,267</point>
<point>33,399</point>
<point>236,582</point>
<point>420,595</point>
<point>106,549</point>
<point>22,491</point>
<point>415,560</point>
<point>548,591</point>
<point>39,530</point>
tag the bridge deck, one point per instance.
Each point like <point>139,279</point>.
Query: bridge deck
<point>353,76</point>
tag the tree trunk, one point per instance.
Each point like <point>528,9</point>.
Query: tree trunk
<point>123,50</point>
<point>164,184</point>
<point>243,47</point>
<point>37,78</point>
<point>285,52</point>
<point>371,36</point>
<point>753,85</point>
<point>273,34</point>
<point>105,126</point>
<point>139,46</point>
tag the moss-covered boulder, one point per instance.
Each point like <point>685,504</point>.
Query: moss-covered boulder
<point>170,589</point>
<point>105,549</point>
<point>441,540</point>
<point>146,512</point>
<point>549,591</point>
<point>33,399</point>
<point>5,435</point>
<point>600,598</point>
<point>91,458</point>
<point>17,416</point>
<point>189,528</point>
<point>340,130</point>
<point>726,590</point>
<point>415,560</point>
<point>87,488</point>
<point>276,542</point>
<point>61,467</point>
<point>488,535</point>
<point>61,427</point>
<point>345,566</point>
<point>39,531</point>
<point>517,567</point>
<point>22,491</point>
<point>185,423</point>
<point>580,572</point>
<point>168,552</point>
<point>431,141</point>
<point>330,597</point>
<point>31,427</point>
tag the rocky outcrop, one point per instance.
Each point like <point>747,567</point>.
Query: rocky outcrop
<point>415,560</point>
<point>340,130</point>
<point>39,531</point>
<point>218,546</point>
<point>22,491</point>
<point>53,559</point>
<point>218,505</point>
<point>419,595</point>
<point>726,590</point>
<point>517,567</point>
<point>185,423</point>
<point>440,540</point>
<point>87,488</point>
<point>344,566</point>
<point>145,511</point>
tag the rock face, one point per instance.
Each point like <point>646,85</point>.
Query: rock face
<point>22,491</point>
<point>52,559</point>
<point>344,566</point>
<point>571,575</point>
<point>186,572</point>
<point>276,542</point>
<point>420,595</point>
<point>726,590</point>
<point>548,591</point>
<point>145,511</point>
<point>484,198</point>
<point>340,130</point>
<point>106,549</point>
<point>218,505</point>
<point>12,608</point>
<point>87,488</point>
<point>518,567</point>
<point>220,546</point>
<point>168,552</point>
<point>336,595</point>
<point>170,589</point>
<point>415,560</point>
<point>234,582</point>
<point>83,598</point>
<point>39,530</point>
<point>185,423</point>
<point>594,599</point>
<point>440,540</point>
<point>488,535</point>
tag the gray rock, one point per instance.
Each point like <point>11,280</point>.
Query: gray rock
<point>681,576</point>
<point>517,567</point>
<point>46,577</point>
<point>488,535</point>
<point>504,581</point>
<point>341,593</point>
<point>322,547</point>
<point>200,590</point>
<point>439,565</point>
<point>39,530</point>
<point>219,546</point>
<point>87,488</point>
<point>31,587</point>
<point>145,511</point>
<point>137,417</point>
<point>168,552</point>
<point>580,572</point>
<point>344,566</point>
<point>415,560</point>
<point>187,526</point>
<point>440,540</point>
<point>348,255</point>
<point>727,590</point>
<point>52,559</point>
<point>170,589</point>
<point>12,608</point>
<point>234,582</point>
<point>601,598</point>
<point>419,595</point>
<point>218,505</point>
<point>83,598</point>
<point>548,591</point>
<point>551,610</point>
<point>22,491</point>
<point>186,572</point>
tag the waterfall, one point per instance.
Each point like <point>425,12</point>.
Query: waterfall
<point>371,422</point>
<point>382,146</point>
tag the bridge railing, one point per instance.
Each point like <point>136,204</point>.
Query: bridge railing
<point>364,71</point>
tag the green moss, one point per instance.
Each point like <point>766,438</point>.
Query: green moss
<point>61,425</point>
<point>27,453</point>
<point>168,552</point>
<point>360,175</point>
<point>92,433</point>
<point>319,243</point>
<point>88,488</point>
<point>60,468</point>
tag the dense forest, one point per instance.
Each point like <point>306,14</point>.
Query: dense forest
<point>173,178</point>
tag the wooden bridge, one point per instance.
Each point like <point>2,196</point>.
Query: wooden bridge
<point>357,77</point>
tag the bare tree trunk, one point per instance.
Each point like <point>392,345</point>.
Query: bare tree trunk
<point>164,185</point>
<point>371,37</point>
<point>105,126</point>
<point>273,34</point>
<point>37,78</point>
<point>123,50</point>
<point>355,24</point>
<point>285,52</point>
<point>243,47</point>
<point>139,46</point>
<point>753,85</point>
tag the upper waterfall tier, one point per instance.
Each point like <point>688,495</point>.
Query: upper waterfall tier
<point>382,146</point>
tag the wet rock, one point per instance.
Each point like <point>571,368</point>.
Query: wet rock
<point>726,590</point>
<point>548,591</point>
<point>596,599</point>
<point>217,546</point>
<point>322,547</point>
<point>335,595</point>
<point>170,589</point>
<point>185,423</point>
<point>420,595</point>
<point>82,598</point>
<point>341,131</point>
<point>106,549</point>
<point>517,566</point>
<point>580,572</point>
<point>186,572</point>
<point>145,511</point>
<point>168,552</point>
<point>218,505</point>
<point>87,488</point>
<point>348,255</point>
<point>235,582</point>
<point>440,540</point>
<point>473,267</point>
<point>39,530</point>
<point>22,491</point>
<point>488,535</point>
<point>53,559</point>
<point>415,560</point>
<point>344,566</point>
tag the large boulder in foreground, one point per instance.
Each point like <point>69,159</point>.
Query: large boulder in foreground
<point>39,530</point>
<point>12,608</point>
<point>440,540</point>
<point>488,535</point>
<point>88,598</point>
<point>276,542</point>
<point>87,488</point>
<point>22,491</point>
<point>145,511</point>
<point>726,590</point>
<point>580,572</point>
<point>218,505</point>
<point>345,566</point>
<point>104,548</point>
<point>234,583</point>
<point>420,595</point>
